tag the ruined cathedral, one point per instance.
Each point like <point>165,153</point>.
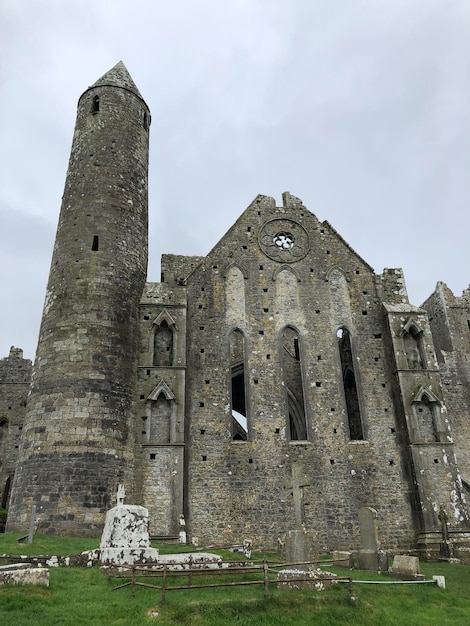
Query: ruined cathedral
<point>277,382</point>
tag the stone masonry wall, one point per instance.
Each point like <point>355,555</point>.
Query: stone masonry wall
<point>449,317</point>
<point>15,380</point>
<point>235,488</point>
<point>159,463</point>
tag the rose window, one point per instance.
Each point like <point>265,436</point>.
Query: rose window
<point>283,240</point>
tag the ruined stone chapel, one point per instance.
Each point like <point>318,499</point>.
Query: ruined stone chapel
<point>277,382</point>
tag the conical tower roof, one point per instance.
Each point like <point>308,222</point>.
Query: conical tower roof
<point>120,77</point>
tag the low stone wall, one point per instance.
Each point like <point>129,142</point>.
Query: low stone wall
<point>84,559</point>
<point>17,574</point>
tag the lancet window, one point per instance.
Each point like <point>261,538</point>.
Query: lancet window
<point>292,371</point>
<point>351,396</point>
<point>238,386</point>
<point>163,344</point>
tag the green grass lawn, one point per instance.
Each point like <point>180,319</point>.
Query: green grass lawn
<point>84,596</point>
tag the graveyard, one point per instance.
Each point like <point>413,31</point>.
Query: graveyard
<point>81,595</point>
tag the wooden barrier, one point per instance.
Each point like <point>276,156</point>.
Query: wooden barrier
<point>232,569</point>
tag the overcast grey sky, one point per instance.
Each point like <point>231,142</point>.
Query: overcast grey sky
<point>359,107</point>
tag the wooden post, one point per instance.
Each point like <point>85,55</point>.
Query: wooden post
<point>266,579</point>
<point>133,581</point>
<point>190,575</point>
<point>163,584</point>
<point>32,523</point>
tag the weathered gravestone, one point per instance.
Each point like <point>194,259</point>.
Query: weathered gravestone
<point>406,567</point>
<point>125,539</point>
<point>342,559</point>
<point>370,556</point>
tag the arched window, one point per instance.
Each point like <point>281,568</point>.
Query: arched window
<point>427,426</point>
<point>163,345</point>
<point>351,396</point>
<point>413,345</point>
<point>95,105</point>
<point>238,386</point>
<point>160,420</point>
<point>292,371</point>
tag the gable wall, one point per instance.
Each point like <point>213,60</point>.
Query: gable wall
<point>237,489</point>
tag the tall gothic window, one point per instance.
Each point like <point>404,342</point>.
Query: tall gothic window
<point>238,386</point>
<point>292,370</point>
<point>351,396</point>
<point>163,345</point>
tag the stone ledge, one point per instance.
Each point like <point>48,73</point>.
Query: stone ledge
<point>17,574</point>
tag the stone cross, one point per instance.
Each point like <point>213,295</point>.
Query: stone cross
<point>443,519</point>
<point>297,483</point>
<point>120,495</point>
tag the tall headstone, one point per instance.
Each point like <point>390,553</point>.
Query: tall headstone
<point>370,556</point>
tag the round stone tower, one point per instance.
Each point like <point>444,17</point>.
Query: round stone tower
<point>77,437</point>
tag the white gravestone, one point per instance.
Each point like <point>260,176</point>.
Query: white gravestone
<point>125,539</point>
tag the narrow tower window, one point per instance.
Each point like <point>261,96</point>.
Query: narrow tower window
<point>146,121</point>
<point>238,386</point>
<point>95,246</point>
<point>292,369</point>
<point>349,385</point>
<point>95,107</point>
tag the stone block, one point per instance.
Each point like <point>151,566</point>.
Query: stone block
<point>342,559</point>
<point>20,575</point>
<point>405,567</point>
<point>298,546</point>
<point>372,561</point>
